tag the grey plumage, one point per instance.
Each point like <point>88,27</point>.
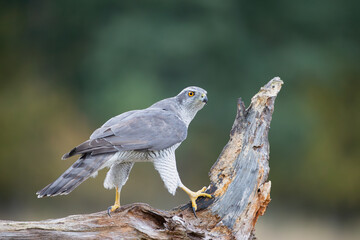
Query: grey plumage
<point>150,134</point>
<point>74,175</point>
<point>148,129</point>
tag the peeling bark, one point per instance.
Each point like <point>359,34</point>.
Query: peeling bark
<point>238,182</point>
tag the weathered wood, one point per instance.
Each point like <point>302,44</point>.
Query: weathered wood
<point>238,182</point>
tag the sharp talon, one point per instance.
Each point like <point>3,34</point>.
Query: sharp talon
<point>212,196</point>
<point>195,195</point>
<point>194,211</point>
<point>108,211</point>
<point>116,204</point>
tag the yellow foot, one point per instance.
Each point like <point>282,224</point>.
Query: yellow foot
<point>116,204</point>
<point>194,195</point>
<point>112,209</point>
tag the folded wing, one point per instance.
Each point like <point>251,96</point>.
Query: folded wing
<point>148,129</point>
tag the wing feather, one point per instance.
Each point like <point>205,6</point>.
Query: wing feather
<point>148,129</point>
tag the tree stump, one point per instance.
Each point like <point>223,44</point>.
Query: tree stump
<point>238,182</point>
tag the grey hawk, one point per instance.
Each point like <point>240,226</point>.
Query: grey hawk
<point>148,135</point>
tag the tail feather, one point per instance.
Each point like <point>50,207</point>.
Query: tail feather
<point>81,170</point>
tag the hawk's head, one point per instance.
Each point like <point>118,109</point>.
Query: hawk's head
<point>192,98</point>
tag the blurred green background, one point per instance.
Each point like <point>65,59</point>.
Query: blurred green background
<point>68,66</point>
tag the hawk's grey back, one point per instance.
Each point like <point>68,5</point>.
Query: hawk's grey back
<point>147,129</point>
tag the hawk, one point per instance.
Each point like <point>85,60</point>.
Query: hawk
<point>148,135</point>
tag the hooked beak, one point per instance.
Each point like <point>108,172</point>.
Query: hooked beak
<point>204,99</point>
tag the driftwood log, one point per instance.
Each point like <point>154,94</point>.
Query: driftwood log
<point>238,182</point>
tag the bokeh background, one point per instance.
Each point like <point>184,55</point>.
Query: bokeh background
<point>68,66</point>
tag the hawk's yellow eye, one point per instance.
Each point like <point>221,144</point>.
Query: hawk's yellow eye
<point>191,93</point>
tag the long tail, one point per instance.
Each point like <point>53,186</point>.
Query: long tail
<point>74,175</point>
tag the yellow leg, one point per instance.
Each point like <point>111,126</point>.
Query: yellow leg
<point>194,195</point>
<point>117,202</point>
